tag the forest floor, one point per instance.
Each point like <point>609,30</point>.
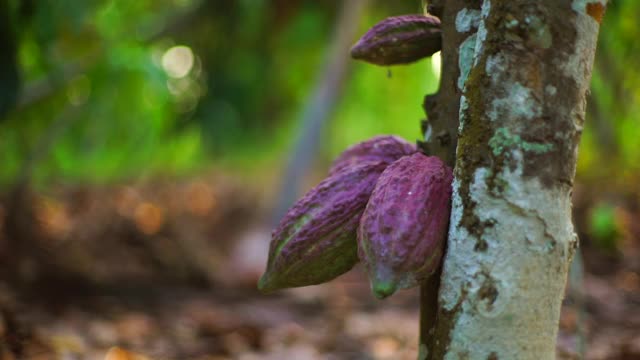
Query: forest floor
<point>167,270</point>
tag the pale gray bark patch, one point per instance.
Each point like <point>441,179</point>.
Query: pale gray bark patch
<point>519,267</point>
<point>467,20</point>
<point>517,101</point>
<point>482,30</point>
<point>464,106</point>
<point>465,59</point>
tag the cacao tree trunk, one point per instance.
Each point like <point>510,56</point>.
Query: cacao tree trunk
<point>519,82</point>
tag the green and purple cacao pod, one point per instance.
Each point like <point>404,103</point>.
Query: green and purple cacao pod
<point>399,40</point>
<point>403,228</point>
<point>316,240</point>
<point>385,148</point>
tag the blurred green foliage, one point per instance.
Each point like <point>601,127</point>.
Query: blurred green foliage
<point>603,226</point>
<point>611,140</point>
<point>103,95</point>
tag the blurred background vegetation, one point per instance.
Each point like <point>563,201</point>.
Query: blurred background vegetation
<point>119,89</point>
<point>103,92</point>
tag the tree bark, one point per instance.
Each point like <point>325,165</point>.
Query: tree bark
<point>459,24</point>
<point>511,237</point>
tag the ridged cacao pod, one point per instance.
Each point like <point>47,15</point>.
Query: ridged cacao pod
<point>385,148</point>
<point>399,40</point>
<point>403,228</point>
<point>316,240</point>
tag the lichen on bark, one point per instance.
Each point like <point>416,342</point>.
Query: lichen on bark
<point>511,237</point>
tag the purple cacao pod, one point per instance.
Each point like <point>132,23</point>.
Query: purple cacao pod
<point>316,240</point>
<point>399,40</point>
<point>403,228</point>
<point>385,148</point>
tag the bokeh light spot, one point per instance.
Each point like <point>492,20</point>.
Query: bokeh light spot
<point>177,62</point>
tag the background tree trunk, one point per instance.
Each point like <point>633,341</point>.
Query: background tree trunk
<point>511,237</point>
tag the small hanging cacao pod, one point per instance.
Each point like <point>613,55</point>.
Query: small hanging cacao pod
<point>399,40</point>
<point>385,148</point>
<point>403,228</point>
<point>316,240</point>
